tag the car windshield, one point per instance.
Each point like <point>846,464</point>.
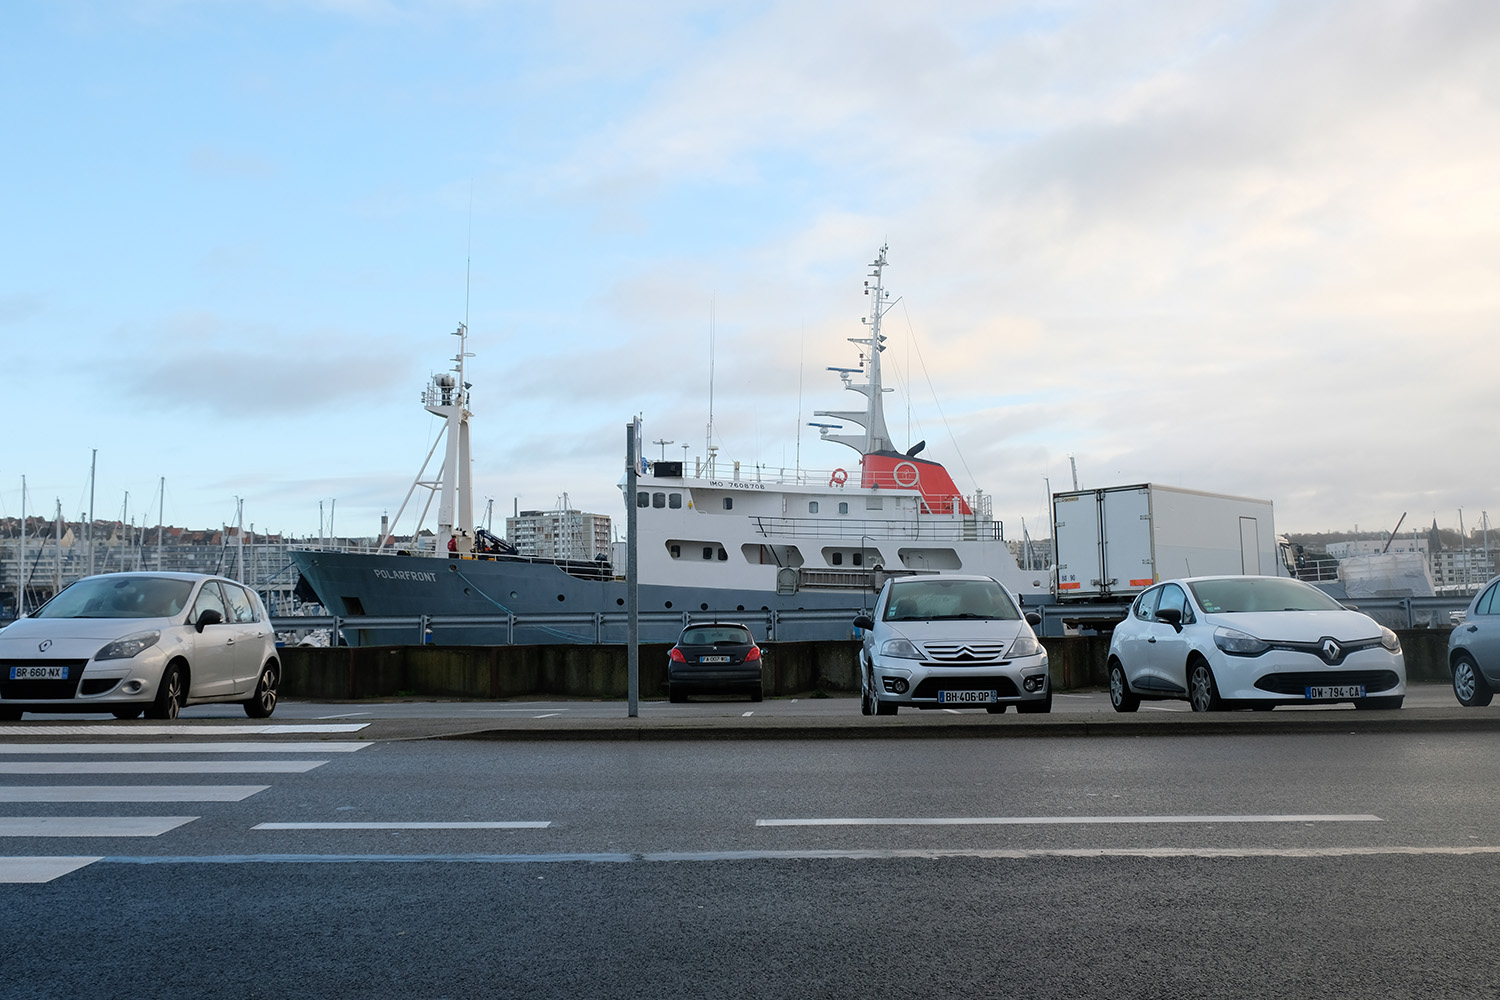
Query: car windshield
<point>713,635</point>
<point>119,597</point>
<point>1260,593</point>
<point>936,598</point>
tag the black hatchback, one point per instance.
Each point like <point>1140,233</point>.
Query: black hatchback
<point>714,658</point>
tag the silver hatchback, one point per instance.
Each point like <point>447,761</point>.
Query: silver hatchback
<point>127,643</point>
<point>1474,649</point>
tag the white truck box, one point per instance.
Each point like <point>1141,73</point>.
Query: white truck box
<point>1112,543</point>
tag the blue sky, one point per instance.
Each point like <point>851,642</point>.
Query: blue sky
<point>1244,247</point>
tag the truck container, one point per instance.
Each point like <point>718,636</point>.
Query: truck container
<point>1112,543</point>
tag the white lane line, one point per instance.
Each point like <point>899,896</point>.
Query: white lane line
<point>182,729</point>
<point>952,711</point>
<point>549,715</point>
<point>346,715</point>
<point>1067,820</point>
<point>500,825</point>
<point>746,715</point>
<point>1160,708</point>
<point>90,826</point>
<point>158,766</point>
<point>128,793</point>
<point>48,749</point>
<point>1059,694</point>
<point>853,855</point>
<point>17,870</point>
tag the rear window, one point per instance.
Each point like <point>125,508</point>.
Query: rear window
<point>709,635</point>
<point>936,598</point>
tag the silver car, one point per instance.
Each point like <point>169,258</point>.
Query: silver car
<point>1474,649</point>
<point>950,642</point>
<point>125,643</point>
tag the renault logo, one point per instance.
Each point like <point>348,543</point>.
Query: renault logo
<point>44,645</point>
<point>1331,651</point>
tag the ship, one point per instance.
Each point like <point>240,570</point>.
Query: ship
<point>796,554</point>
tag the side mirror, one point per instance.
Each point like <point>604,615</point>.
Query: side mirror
<point>864,622</point>
<point>1033,619</point>
<point>1172,616</point>
<point>207,618</point>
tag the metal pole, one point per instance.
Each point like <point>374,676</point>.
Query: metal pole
<point>632,579</point>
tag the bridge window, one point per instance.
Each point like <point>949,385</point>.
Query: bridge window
<point>843,507</point>
<point>812,506</point>
<point>674,501</point>
<point>658,499</point>
<point>837,559</point>
<point>708,551</point>
<point>729,503</point>
<point>643,499</point>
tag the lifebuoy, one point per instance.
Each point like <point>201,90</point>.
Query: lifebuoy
<point>908,483</point>
<point>839,478</point>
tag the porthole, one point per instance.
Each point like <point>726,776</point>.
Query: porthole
<point>619,602</point>
<point>740,608</point>
<point>560,597</point>
<point>703,607</point>
<point>668,605</point>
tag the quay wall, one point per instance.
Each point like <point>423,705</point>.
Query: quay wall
<point>572,671</point>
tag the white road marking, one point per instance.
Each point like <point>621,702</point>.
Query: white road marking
<point>746,715</point>
<point>346,715</point>
<point>952,711</point>
<point>47,749</point>
<point>116,728</point>
<point>158,766</point>
<point>1162,708</point>
<point>1067,820</point>
<point>549,715</point>
<point>128,793</point>
<point>90,826</point>
<point>16,870</point>
<point>500,825</point>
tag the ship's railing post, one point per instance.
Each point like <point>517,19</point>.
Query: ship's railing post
<point>598,628</point>
<point>424,631</point>
<point>333,635</point>
<point>771,619</point>
<point>510,628</point>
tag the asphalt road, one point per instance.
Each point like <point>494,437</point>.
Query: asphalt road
<point>323,864</point>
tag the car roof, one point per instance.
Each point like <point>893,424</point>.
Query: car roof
<point>191,577</point>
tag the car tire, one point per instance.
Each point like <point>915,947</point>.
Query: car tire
<point>1203,690</point>
<point>171,693</point>
<point>1120,695</point>
<point>866,695</point>
<point>758,694</point>
<point>1392,702</point>
<point>10,715</point>
<point>1036,707</point>
<point>125,714</point>
<point>995,709</point>
<point>675,694</point>
<point>1469,685</point>
<point>263,702</point>
<point>885,707</point>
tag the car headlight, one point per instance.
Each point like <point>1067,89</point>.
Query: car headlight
<point>1237,643</point>
<point>131,645</point>
<point>903,648</point>
<point>1389,640</point>
<point>1025,645</point>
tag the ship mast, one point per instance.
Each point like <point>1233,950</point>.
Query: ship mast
<point>447,396</point>
<point>875,438</point>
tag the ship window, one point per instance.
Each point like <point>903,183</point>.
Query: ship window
<point>658,499</point>
<point>843,507</point>
<point>812,506</point>
<point>729,503</point>
<point>708,551</point>
<point>723,556</point>
<point>676,551</point>
<point>642,499</point>
<point>872,503</point>
<point>674,500</point>
<point>857,558</point>
<point>838,559</point>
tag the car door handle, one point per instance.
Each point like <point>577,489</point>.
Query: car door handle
<point>1472,628</point>
<point>229,641</point>
<point>1152,639</point>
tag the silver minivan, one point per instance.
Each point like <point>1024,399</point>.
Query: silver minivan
<point>1474,649</point>
<point>950,641</point>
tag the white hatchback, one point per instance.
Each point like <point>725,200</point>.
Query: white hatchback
<point>1251,642</point>
<point>125,643</point>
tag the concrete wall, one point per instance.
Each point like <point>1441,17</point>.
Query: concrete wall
<point>494,672</point>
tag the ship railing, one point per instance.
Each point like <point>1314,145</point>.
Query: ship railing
<point>954,529</point>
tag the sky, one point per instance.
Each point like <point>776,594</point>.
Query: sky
<point>1239,246</point>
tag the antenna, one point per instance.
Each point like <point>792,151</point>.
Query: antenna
<point>712,306</point>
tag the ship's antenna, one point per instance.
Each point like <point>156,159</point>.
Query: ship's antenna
<point>469,253</point>
<point>801,372</point>
<point>712,306</point>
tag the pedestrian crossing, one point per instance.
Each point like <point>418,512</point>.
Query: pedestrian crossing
<point>180,758</point>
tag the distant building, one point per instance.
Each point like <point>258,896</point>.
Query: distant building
<point>1375,546</point>
<point>559,534</point>
<point>1461,571</point>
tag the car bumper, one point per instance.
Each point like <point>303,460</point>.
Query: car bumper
<point>91,686</point>
<point>928,684</point>
<point>1287,677</point>
<point>725,679</point>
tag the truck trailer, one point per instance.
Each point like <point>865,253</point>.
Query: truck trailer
<point>1112,543</point>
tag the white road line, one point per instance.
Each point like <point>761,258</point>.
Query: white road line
<point>502,825</point>
<point>90,826</point>
<point>128,793</point>
<point>952,711</point>
<point>549,715</point>
<point>346,715</point>
<point>181,729</point>
<point>1067,820</point>
<point>48,749</point>
<point>1159,708</point>
<point>16,870</point>
<point>746,715</point>
<point>158,766</point>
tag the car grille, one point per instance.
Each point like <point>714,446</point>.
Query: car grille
<point>40,690</point>
<point>961,653</point>
<point>1002,686</point>
<point>1296,682</point>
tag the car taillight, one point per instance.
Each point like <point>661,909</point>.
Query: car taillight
<point>754,654</point>
<point>675,655</point>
